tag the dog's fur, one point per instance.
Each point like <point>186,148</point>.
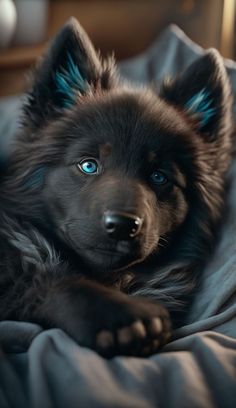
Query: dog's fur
<point>59,265</point>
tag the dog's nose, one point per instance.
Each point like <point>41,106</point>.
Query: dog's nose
<point>121,225</point>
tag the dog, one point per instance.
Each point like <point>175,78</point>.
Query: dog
<point>112,197</point>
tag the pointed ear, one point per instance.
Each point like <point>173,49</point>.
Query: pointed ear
<point>203,94</point>
<point>69,69</point>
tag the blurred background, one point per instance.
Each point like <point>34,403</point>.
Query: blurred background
<point>126,26</point>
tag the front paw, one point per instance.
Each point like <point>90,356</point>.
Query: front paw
<point>106,320</point>
<point>136,328</point>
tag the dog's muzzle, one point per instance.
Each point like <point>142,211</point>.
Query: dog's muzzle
<point>121,225</point>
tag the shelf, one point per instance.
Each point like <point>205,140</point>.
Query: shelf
<point>20,56</point>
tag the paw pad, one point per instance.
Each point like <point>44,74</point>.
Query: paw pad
<point>105,339</point>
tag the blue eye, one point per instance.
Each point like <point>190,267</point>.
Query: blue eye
<point>158,178</point>
<point>88,166</point>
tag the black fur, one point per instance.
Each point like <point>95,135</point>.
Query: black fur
<point>60,264</point>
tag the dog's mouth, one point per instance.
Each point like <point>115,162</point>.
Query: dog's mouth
<point>115,253</point>
<point>109,258</point>
<point>119,248</point>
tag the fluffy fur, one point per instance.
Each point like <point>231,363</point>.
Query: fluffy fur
<point>161,164</point>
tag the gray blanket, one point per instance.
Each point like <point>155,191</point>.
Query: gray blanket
<point>43,369</point>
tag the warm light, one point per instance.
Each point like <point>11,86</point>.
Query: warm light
<point>227,33</point>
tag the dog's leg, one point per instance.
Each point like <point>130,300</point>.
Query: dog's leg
<point>48,292</point>
<point>102,318</point>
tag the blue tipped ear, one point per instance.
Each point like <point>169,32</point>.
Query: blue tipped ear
<point>69,82</point>
<point>70,68</point>
<point>201,106</point>
<point>202,93</point>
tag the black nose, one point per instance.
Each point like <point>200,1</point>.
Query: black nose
<point>121,225</point>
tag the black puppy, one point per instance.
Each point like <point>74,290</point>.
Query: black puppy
<point>111,198</point>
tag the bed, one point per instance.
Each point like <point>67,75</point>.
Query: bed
<point>45,368</point>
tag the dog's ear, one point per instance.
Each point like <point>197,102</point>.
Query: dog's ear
<point>70,69</point>
<point>202,93</point>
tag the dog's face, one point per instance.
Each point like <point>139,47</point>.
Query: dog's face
<point>120,186</point>
<point>119,170</point>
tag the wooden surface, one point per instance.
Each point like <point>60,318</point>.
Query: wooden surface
<point>129,26</point>
<point>20,57</point>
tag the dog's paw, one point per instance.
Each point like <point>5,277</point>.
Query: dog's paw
<point>142,329</point>
<point>108,321</point>
<point>138,339</point>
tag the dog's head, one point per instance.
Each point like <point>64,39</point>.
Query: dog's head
<point>122,173</point>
